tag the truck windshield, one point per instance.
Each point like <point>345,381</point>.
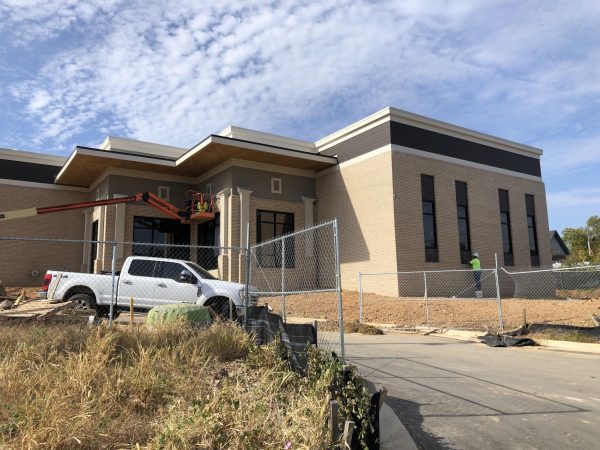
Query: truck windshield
<point>202,272</point>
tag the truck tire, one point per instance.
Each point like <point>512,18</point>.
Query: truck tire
<point>83,302</point>
<point>220,306</point>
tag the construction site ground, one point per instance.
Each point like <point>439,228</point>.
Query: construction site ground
<point>471,314</point>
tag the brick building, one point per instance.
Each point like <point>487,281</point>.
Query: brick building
<point>410,193</point>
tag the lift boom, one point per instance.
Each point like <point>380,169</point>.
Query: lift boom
<point>187,215</point>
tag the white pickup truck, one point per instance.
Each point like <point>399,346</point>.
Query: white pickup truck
<point>150,282</point>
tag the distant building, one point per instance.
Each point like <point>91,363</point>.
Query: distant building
<point>410,192</point>
<point>559,250</point>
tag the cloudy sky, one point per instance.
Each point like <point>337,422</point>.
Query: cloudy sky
<point>72,72</point>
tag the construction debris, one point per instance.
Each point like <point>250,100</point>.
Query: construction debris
<point>6,304</point>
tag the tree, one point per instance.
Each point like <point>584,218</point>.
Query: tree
<point>584,242</point>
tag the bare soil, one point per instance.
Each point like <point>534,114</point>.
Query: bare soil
<point>474,314</point>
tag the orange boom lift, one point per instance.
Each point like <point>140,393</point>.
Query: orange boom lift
<point>198,207</point>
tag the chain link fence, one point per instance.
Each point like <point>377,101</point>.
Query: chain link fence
<point>290,273</point>
<point>298,274</point>
<point>441,299</point>
<point>488,299</point>
<point>108,277</point>
<point>552,296</point>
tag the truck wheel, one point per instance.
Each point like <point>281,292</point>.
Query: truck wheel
<point>220,307</point>
<point>83,302</point>
<point>104,311</point>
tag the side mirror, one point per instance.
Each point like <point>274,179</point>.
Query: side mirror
<point>187,277</point>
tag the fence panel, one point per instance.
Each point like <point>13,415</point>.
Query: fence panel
<point>553,296</point>
<point>298,274</point>
<point>91,274</point>
<point>442,298</point>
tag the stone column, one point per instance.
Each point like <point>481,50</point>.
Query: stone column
<point>87,234</point>
<point>119,236</point>
<point>223,258</point>
<point>244,194</point>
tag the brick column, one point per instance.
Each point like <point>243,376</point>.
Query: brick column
<point>224,257</point>
<point>244,194</point>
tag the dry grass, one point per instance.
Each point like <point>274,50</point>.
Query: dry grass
<point>350,327</point>
<point>68,386</point>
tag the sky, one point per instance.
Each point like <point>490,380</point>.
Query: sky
<point>173,72</point>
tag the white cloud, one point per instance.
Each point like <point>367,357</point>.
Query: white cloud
<point>574,198</point>
<point>173,72</point>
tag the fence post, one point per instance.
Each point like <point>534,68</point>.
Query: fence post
<point>113,292</point>
<point>426,299</point>
<point>498,298</point>
<point>360,298</point>
<point>338,286</point>
<point>283,310</point>
<point>247,284</point>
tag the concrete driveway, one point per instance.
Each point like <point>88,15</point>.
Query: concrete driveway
<point>464,395</point>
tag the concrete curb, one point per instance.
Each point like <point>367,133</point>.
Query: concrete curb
<point>392,432</point>
<point>546,344</point>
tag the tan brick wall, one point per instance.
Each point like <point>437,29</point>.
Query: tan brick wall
<point>361,197</point>
<point>484,213</point>
<point>19,259</point>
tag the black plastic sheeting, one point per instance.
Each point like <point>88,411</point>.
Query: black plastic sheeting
<point>502,340</point>
<point>295,338</point>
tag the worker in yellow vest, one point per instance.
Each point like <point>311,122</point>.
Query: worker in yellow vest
<point>476,265</point>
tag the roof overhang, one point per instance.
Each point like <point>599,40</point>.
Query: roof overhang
<point>85,164</point>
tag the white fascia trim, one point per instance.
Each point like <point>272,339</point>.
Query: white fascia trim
<point>253,146</point>
<point>42,185</point>
<point>353,129</point>
<point>141,174</point>
<point>408,118</point>
<point>267,138</point>
<point>462,162</point>
<point>31,157</point>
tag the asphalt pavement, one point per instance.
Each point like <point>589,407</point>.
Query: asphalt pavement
<point>453,394</point>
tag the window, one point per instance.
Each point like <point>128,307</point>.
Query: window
<point>429,226</point>
<point>269,225</point>
<point>164,192</point>
<point>531,230</point>
<point>505,224</point>
<point>153,230</point>
<point>94,246</point>
<point>208,236</point>
<point>169,270</point>
<point>462,212</point>
<point>141,268</point>
<point>276,187</point>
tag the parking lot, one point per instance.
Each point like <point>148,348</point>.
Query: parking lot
<point>456,394</point>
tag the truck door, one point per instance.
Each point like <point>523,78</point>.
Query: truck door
<point>138,282</point>
<point>170,288</point>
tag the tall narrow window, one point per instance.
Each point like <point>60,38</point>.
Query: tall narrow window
<point>505,224</point>
<point>270,225</point>
<point>429,227</point>
<point>531,230</point>
<point>462,212</point>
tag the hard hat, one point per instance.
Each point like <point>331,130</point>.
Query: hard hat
<point>476,255</point>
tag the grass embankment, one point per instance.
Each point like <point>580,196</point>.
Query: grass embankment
<point>68,386</point>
